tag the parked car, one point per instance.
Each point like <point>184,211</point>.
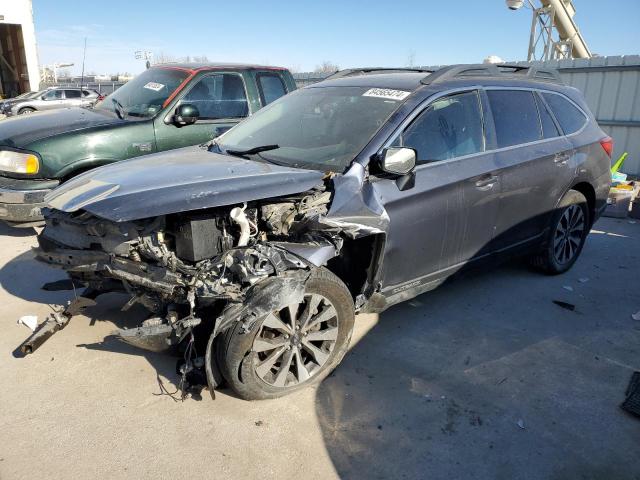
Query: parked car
<point>350,195</point>
<point>165,107</point>
<point>50,99</point>
<point>10,101</point>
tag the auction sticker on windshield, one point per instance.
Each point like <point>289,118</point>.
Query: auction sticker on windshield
<point>156,87</point>
<point>386,93</point>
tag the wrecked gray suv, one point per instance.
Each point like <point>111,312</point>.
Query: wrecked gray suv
<point>350,195</point>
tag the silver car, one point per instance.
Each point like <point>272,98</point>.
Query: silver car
<point>59,97</point>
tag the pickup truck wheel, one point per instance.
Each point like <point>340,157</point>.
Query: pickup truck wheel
<point>567,235</point>
<point>293,347</point>
<point>26,111</point>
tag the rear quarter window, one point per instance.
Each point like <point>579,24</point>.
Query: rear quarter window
<point>515,117</point>
<point>271,87</point>
<point>570,118</point>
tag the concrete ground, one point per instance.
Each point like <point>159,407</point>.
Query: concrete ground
<point>482,378</point>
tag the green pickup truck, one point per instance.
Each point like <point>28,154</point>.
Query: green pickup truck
<point>165,107</point>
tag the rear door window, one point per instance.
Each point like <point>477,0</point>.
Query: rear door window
<point>450,127</point>
<point>220,95</point>
<point>515,117</point>
<point>570,118</point>
<point>72,93</point>
<point>549,128</point>
<point>271,87</point>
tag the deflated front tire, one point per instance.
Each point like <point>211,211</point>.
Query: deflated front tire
<point>291,348</point>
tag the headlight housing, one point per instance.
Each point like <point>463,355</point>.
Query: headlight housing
<point>18,162</point>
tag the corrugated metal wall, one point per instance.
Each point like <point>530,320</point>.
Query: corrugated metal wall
<point>611,86</point>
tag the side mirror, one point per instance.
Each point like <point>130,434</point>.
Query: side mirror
<point>397,160</point>
<point>186,114</point>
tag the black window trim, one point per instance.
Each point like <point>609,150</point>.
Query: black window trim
<point>480,88</point>
<point>587,118</point>
<point>171,108</point>
<point>269,74</point>
<point>540,101</point>
<point>423,106</point>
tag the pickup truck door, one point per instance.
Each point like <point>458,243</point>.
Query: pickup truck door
<point>222,101</point>
<point>449,216</point>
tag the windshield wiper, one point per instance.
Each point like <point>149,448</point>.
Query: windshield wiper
<point>252,151</point>
<point>119,108</point>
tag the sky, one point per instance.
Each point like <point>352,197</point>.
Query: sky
<point>302,34</point>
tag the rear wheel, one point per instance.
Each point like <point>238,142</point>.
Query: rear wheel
<point>26,111</point>
<point>567,235</point>
<point>293,347</point>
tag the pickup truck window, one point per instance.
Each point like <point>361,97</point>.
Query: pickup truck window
<point>221,95</point>
<point>144,96</point>
<point>271,87</point>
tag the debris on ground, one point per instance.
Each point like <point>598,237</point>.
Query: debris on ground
<point>583,279</point>
<point>29,321</point>
<point>632,402</point>
<point>520,423</point>
<point>565,305</point>
<point>636,316</point>
<point>568,288</point>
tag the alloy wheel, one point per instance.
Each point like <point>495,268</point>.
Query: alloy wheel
<point>294,343</point>
<point>569,234</point>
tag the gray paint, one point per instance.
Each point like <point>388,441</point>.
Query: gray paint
<point>180,180</point>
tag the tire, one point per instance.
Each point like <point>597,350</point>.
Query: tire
<point>26,111</point>
<point>252,363</point>
<point>568,232</point>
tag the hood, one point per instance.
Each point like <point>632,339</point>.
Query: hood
<point>180,180</point>
<point>22,130</point>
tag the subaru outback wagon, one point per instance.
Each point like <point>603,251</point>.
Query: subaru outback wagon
<point>347,196</point>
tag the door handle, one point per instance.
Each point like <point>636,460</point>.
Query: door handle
<point>561,159</point>
<point>486,183</point>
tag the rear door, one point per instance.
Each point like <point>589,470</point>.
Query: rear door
<point>534,161</point>
<point>448,217</point>
<point>73,98</point>
<point>221,99</point>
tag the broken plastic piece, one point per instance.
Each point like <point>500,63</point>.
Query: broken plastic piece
<point>520,423</point>
<point>29,321</point>
<point>565,305</point>
<point>636,316</point>
<point>568,288</point>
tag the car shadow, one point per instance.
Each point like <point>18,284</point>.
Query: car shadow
<point>7,231</point>
<point>485,377</point>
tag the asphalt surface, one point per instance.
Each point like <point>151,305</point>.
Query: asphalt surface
<point>483,378</point>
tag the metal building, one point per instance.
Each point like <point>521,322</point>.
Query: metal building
<point>18,55</point>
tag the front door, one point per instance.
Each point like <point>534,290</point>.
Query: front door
<point>449,216</point>
<point>221,100</point>
<point>52,99</point>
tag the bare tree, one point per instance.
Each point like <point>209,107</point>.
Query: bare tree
<point>411,59</point>
<point>327,67</point>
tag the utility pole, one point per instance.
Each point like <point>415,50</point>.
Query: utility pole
<point>84,54</point>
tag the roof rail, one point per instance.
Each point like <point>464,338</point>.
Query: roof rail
<point>352,72</point>
<point>493,70</point>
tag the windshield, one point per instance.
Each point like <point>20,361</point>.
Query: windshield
<point>144,96</point>
<point>320,128</point>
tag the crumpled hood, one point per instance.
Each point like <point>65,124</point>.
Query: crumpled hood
<point>175,181</point>
<point>22,130</point>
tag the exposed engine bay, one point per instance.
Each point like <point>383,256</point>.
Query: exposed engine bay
<point>239,262</point>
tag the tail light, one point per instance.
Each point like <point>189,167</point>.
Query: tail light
<point>607,145</point>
